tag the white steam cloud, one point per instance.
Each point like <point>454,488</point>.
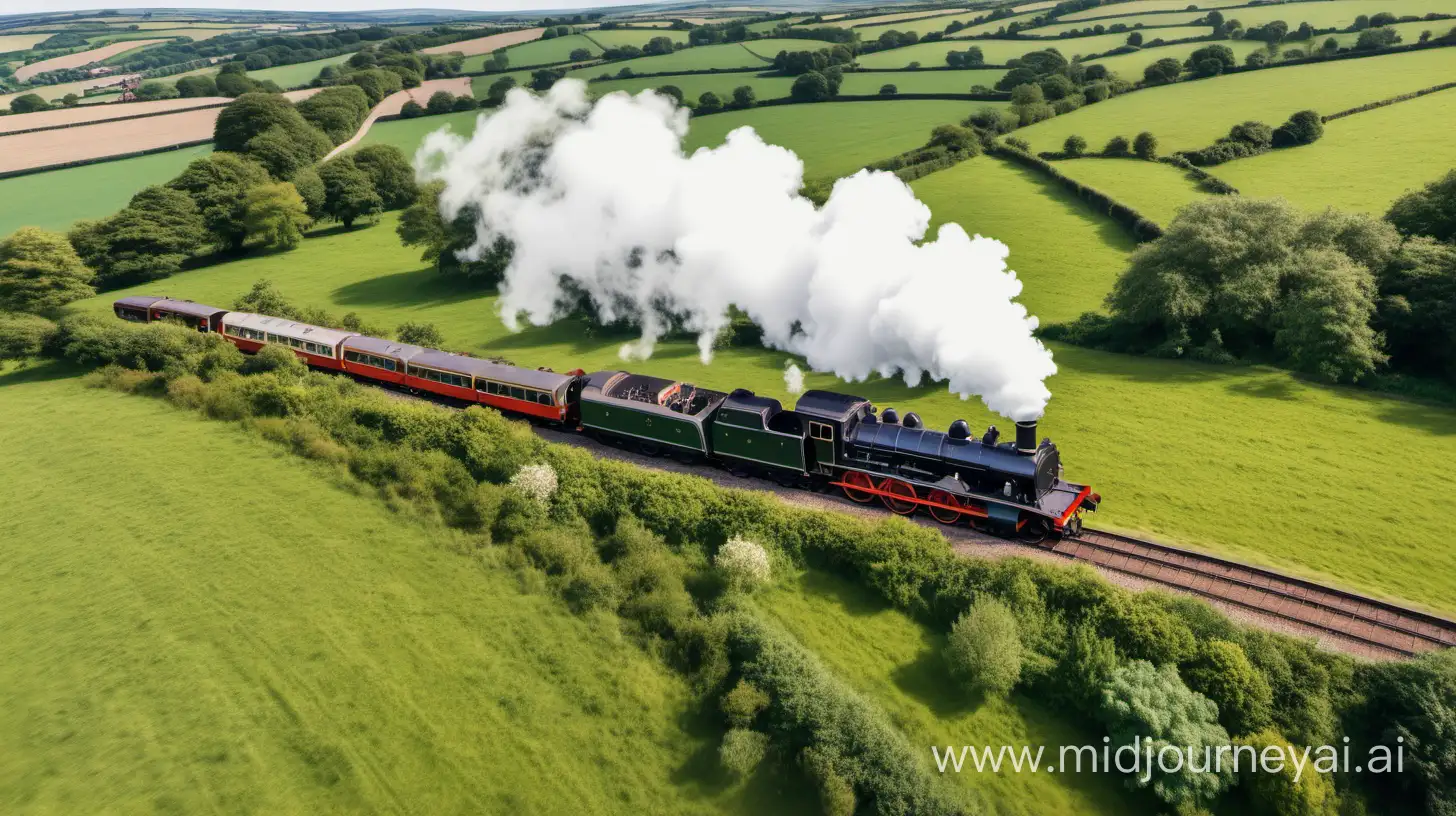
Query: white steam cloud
<point>794,379</point>
<point>600,199</point>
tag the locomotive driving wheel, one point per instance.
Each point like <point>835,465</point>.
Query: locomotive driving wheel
<point>898,488</point>
<point>1035,530</point>
<point>859,480</point>
<point>941,514</point>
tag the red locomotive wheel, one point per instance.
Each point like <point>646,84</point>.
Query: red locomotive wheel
<point>941,514</point>
<point>859,480</point>
<point>898,488</point>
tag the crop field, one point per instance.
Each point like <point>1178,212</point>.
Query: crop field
<point>47,148</point>
<point>837,138</point>
<point>1190,115</point>
<point>931,24</point>
<point>1342,171</point>
<point>50,199</point>
<point>1155,189</point>
<point>702,58</point>
<point>298,74</point>
<point>610,39</point>
<point>769,25</point>
<point>856,83</point>
<point>20,42</point>
<point>1117,10</point>
<point>197,33</point>
<point>80,58</point>
<point>1150,23</point>
<point>174,641</point>
<point>52,93</point>
<point>536,52</point>
<point>694,85</point>
<point>97,113</point>
<point>990,26</point>
<point>1230,459</point>
<point>1337,13</point>
<point>895,662</point>
<point>486,45</point>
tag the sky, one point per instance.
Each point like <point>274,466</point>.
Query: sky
<point>32,6</point>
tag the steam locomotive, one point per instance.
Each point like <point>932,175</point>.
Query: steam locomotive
<point>1012,488</point>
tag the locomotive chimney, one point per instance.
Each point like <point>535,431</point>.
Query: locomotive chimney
<point>1026,437</point>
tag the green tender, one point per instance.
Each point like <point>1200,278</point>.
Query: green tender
<point>759,446</point>
<point>645,425</point>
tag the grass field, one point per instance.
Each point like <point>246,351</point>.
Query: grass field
<point>1130,66</point>
<point>536,52</point>
<point>1190,115</point>
<point>1337,13</point>
<point>197,622</point>
<point>932,24</point>
<point>896,662</point>
<point>56,199</point>
<point>298,74</point>
<point>693,85</point>
<point>1146,21</point>
<point>408,134</point>
<point>1136,6</point>
<point>837,138</point>
<point>997,52</point>
<point>769,25</point>
<point>1156,190</point>
<point>896,17</point>
<point>1363,162</point>
<point>704,57</point>
<point>610,39</point>
<point>919,81</point>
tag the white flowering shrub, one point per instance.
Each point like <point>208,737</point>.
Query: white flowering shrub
<point>744,563</point>
<point>536,481</point>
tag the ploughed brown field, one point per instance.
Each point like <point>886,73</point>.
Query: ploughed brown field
<point>102,112</point>
<point>46,148</point>
<point>81,58</point>
<point>485,45</point>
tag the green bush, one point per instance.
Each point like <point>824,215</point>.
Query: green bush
<point>24,336</point>
<point>836,795</point>
<point>1074,146</point>
<point>1281,794</point>
<point>1222,673</point>
<point>743,704</point>
<point>277,359</point>
<point>984,648</point>
<point>742,750</point>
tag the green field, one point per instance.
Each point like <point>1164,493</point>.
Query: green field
<point>1151,22</point>
<point>56,199</point>
<point>1156,190</point>
<point>408,134</point>
<point>856,83</point>
<point>702,58</point>
<point>768,26</point>
<point>896,662</point>
<point>1130,66</point>
<point>536,52</point>
<point>895,17</point>
<point>932,24</point>
<point>1346,170</point>
<point>1337,13</point>
<point>837,138</point>
<point>693,85</point>
<point>299,74</point>
<point>610,39</point>
<point>997,52</point>
<point>198,622</point>
<point>991,26</point>
<point>1137,6</point>
<point>1190,115</point>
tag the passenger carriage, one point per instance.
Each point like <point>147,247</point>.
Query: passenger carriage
<point>542,394</point>
<point>150,309</point>
<point>376,359</point>
<point>315,345</point>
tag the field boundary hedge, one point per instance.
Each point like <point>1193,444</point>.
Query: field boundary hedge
<point>1405,97</point>
<point>1139,226</point>
<point>1206,180</point>
<point>102,159</point>
<point>1434,42</point>
<point>115,119</point>
<point>955,13</point>
<point>694,72</point>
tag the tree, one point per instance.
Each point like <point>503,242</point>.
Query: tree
<point>23,336</point>
<point>148,239</point>
<point>252,114</point>
<point>1057,87</point>
<point>198,85</point>
<point>1428,211</point>
<point>1222,673</point>
<point>311,188</point>
<point>657,46</point>
<point>1211,60</point>
<point>390,172</point>
<point>955,138</point>
<point>1117,146</point>
<point>543,79</point>
<point>275,215</point>
<point>498,89</point>
<point>1302,128</point>
<point>29,103</point>
<point>234,84</point>
<point>420,334</point>
<point>40,272</point>
<point>70,100</point>
<point>1135,39</point>
<point>579,55</point>
<point>984,648</point>
<point>1374,39</point>
<point>423,225</point>
<point>709,102</point>
<point>1141,700</point>
<point>743,96</point>
<point>338,111</point>
<point>411,110</point>
<point>888,89</point>
<point>1412,704</point>
<point>286,152</point>
<point>500,60</point>
<point>1163,71</point>
<point>440,102</point>
<point>1145,146</point>
<point>219,185</point>
<point>810,87</point>
<point>1074,146</point>
<point>348,192</point>
<point>153,91</point>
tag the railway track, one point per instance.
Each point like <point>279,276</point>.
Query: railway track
<point>1384,626</point>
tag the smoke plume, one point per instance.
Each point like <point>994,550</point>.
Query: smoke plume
<point>601,200</point>
<point>794,379</point>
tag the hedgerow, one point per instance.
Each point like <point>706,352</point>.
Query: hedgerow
<point>638,543</point>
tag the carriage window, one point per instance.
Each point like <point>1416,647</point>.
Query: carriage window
<point>819,430</point>
<point>543,398</point>
<point>391,365</point>
<point>518,393</point>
